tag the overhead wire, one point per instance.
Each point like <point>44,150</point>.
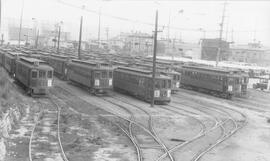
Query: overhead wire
<point>129,20</point>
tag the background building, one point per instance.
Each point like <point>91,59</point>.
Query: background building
<point>250,53</point>
<point>209,49</point>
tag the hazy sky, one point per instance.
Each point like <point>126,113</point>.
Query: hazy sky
<point>246,18</point>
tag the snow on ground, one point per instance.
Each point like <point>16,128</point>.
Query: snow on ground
<point>2,149</point>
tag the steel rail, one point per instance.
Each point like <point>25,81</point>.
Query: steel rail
<point>151,129</point>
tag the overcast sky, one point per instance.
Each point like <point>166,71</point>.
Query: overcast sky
<point>246,18</point>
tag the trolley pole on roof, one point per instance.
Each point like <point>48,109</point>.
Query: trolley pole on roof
<point>80,39</point>
<point>154,61</point>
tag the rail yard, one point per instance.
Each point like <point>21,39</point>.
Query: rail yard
<point>99,110</point>
<point>107,80</point>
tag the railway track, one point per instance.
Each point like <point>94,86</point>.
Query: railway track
<point>121,116</point>
<point>219,124</point>
<point>129,134</point>
<point>150,130</point>
<point>45,142</point>
<point>230,118</point>
<point>203,133</point>
<point>247,104</point>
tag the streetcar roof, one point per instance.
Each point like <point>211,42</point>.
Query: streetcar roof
<point>141,72</point>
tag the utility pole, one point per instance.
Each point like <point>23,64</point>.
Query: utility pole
<point>59,32</point>
<point>0,15</point>
<point>80,39</point>
<point>55,35</point>
<point>254,36</point>
<point>168,34</point>
<point>227,26</point>
<point>99,27</point>
<point>220,34</point>
<point>107,34</point>
<point>36,45</point>
<point>2,39</point>
<point>20,30</point>
<point>232,35</point>
<point>154,61</point>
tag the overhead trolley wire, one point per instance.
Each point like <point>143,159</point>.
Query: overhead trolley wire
<point>130,20</point>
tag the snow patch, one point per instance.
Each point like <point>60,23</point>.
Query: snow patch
<point>2,149</point>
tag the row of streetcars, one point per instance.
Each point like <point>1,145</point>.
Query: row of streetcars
<point>34,74</point>
<point>135,79</point>
<point>217,81</point>
<point>99,77</point>
<point>222,82</point>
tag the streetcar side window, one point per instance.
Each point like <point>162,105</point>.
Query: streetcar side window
<point>34,74</point>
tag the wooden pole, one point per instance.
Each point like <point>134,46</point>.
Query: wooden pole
<point>154,61</point>
<point>59,32</point>
<point>80,39</point>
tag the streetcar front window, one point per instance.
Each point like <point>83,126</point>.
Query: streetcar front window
<point>42,74</point>
<point>237,81</point>
<point>110,74</point>
<point>245,80</point>
<point>34,74</point>
<point>230,80</point>
<point>104,74</point>
<point>169,84</point>
<point>97,75</point>
<point>49,74</point>
<point>157,84</point>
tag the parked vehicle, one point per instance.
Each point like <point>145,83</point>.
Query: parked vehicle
<point>59,64</point>
<point>9,62</point>
<point>34,74</point>
<point>217,81</point>
<point>96,76</point>
<point>138,82</point>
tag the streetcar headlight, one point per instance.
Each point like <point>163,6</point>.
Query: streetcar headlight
<point>177,85</point>
<point>169,93</point>
<point>96,82</point>
<point>230,88</point>
<point>156,93</point>
<point>110,82</point>
<point>49,83</point>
